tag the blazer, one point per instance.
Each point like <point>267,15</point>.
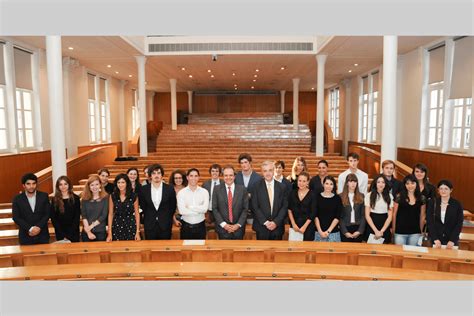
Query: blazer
<point>359,215</point>
<point>207,185</point>
<point>453,220</point>
<point>220,208</point>
<point>163,216</point>
<point>261,206</point>
<point>254,178</point>
<point>25,218</point>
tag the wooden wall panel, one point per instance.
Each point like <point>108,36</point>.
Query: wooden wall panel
<point>81,149</point>
<point>15,166</point>
<point>307,105</point>
<point>236,103</point>
<point>162,105</point>
<point>457,168</point>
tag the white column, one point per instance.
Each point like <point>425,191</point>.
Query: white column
<point>296,92</point>
<point>190,102</point>
<point>141,60</point>
<point>151,112</point>
<point>389,93</point>
<point>321,59</point>
<point>174,111</point>
<point>122,123</point>
<point>347,116</point>
<point>471,145</point>
<point>282,100</point>
<point>10,95</point>
<point>70,144</point>
<point>56,110</point>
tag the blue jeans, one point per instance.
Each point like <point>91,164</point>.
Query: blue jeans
<point>333,237</point>
<point>407,239</point>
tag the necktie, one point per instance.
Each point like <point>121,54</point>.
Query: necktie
<point>229,204</point>
<point>270,196</point>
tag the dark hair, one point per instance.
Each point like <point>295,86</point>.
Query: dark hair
<point>244,156</point>
<point>324,162</point>
<point>374,193</point>
<point>154,167</point>
<point>103,170</point>
<point>279,163</point>
<point>353,155</point>
<point>228,167</point>
<point>215,166</point>
<point>137,182</point>
<point>128,188</point>
<point>183,175</point>
<point>58,197</point>
<point>445,182</point>
<point>403,194</point>
<point>191,170</point>
<point>146,172</point>
<point>304,174</point>
<point>29,176</point>
<point>423,168</point>
<point>330,178</point>
<point>358,197</point>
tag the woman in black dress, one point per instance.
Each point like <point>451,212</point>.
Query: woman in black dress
<point>124,219</point>
<point>65,211</point>
<point>353,221</point>
<point>134,177</point>
<point>302,208</point>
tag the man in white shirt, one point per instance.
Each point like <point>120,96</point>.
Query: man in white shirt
<point>363,178</point>
<point>210,185</point>
<point>230,205</point>
<point>193,203</point>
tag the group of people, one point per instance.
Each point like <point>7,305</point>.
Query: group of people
<point>316,208</point>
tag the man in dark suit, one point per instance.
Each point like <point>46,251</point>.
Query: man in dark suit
<point>230,205</point>
<point>215,170</point>
<point>270,206</point>
<point>246,177</point>
<point>158,203</point>
<point>30,211</point>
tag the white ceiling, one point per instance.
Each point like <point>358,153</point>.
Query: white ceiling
<point>96,52</point>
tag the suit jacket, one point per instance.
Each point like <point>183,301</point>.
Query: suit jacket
<point>163,216</point>
<point>261,206</point>
<point>220,209</point>
<point>453,220</point>
<point>207,185</point>
<point>254,178</point>
<point>25,218</point>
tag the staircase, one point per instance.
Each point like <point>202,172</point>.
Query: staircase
<point>221,137</point>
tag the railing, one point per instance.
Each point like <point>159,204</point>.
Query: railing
<point>79,166</point>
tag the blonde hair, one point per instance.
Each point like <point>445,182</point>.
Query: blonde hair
<point>295,165</point>
<point>267,163</point>
<point>87,193</point>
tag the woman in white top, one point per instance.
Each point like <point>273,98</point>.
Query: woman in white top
<point>378,209</point>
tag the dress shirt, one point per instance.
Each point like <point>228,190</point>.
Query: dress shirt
<point>232,188</point>
<point>213,185</point>
<point>279,180</point>
<point>351,200</point>
<point>32,201</point>
<point>193,205</point>
<point>270,185</point>
<point>246,179</point>
<point>156,194</point>
<point>361,176</point>
<point>443,211</point>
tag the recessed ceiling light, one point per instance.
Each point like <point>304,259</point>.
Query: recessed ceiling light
<point>235,85</point>
<point>312,88</point>
<point>356,65</point>
<point>256,70</point>
<point>350,71</point>
<point>130,76</point>
<point>109,66</point>
<point>117,72</point>
<point>255,76</point>
<point>209,70</point>
<point>282,67</point>
<point>70,48</point>
<point>212,76</point>
<point>183,69</point>
<point>233,74</point>
<point>253,87</point>
<point>235,88</point>
<point>190,76</point>
<point>254,80</point>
